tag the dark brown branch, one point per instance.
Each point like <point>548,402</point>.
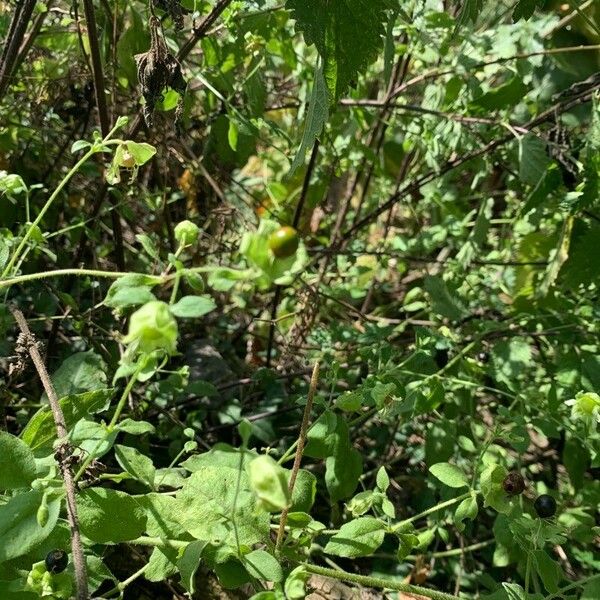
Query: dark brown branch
<point>459,161</point>
<point>103,117</point>
<point>16,33</point>
<point>31,344</point>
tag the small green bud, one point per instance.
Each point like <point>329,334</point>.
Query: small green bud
<point>43,513</point>
<point>187,233</point>
<point>153,327</point>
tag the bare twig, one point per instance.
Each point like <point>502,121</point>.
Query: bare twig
<point>103,116</point>
<point>61,430</point>
<point>314,380</point>
<point>16,33</point>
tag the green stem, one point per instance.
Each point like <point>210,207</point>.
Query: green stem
<point>376,582</point>
<point>62,273</point>
<point>95,148</point>
<point>433,509</point>
<point>156,542</point>
<point>118,589</point>
<point>109,429</point>
<point>571,586</point>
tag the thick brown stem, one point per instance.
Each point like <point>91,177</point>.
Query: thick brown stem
<point>61,430</point>
<point>16,33</point>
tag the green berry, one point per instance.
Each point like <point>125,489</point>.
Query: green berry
<point>283,243</point>
<point>187,233</point>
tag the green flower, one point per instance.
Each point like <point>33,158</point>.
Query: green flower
<point>585,407</point>
<point>187,233</point>
<point>151,328</point>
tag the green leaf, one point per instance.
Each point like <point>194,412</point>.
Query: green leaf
<point>110,516</point>
<point>511,359</point>
<point>269,482</point>
<point>525,9</point>
<point>263,566</point>
<point>549,570</point>
<point>342,472</point>
<point>81,372</point>
<point>40,431</point>
<point>348,35</point>
<point>591,591</point>
<point>193,307</point>
<point>17,463</point>
<point>467,509</point>
<point>20,531</point>
<point>80,145</point>
<point>359,537</point>
<point>207,503</point>
<point>443,301</point>
<point>503,96</point>
<point>491,488</point>
<point>305,491</point>
<point>188,564</point>
<point>131,290</point>
<point>533,159</point>
<point>141,151</point>
<point>316,117</point>
<point>295,584</point>
<point>383,480</point>
<point>135,427</point>
<point>162,564</point>
<point>449,475</point>
<point>135,463</point>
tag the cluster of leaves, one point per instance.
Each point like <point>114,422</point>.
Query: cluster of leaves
<point>445,280</point>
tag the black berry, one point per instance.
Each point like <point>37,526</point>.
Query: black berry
<point>545,506</point>
<point>513,484</point>
<point>56,561</point>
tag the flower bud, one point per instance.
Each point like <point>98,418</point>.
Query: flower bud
<point>153,327</point>
<point>187,233</point>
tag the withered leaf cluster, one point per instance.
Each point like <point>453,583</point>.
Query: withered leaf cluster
<point>174,9</point>
<point>158,69</point>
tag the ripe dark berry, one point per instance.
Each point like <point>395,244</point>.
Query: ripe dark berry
<point>513,484</point>
<point>283,243</point>
<point>441,358</point>
<point>545,506</point>
<point>56,561</point>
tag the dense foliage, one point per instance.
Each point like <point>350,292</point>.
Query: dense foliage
<point>300,295</point>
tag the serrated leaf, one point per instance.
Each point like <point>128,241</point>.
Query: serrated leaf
<point>533,159</point>
<point>348,35</point>
<point>316,117</point>
<point>503,96</point>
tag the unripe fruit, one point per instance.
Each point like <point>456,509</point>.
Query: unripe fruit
<point>127,160</point>
<point>187,233</point>
<point>283,243</point>
<point>513,484</point>
<point>153,327</point>
<point>56,561</point>
<point>545,506</point>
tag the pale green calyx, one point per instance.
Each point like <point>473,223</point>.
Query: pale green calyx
<point>153,327</point>
<point>187,233</point>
